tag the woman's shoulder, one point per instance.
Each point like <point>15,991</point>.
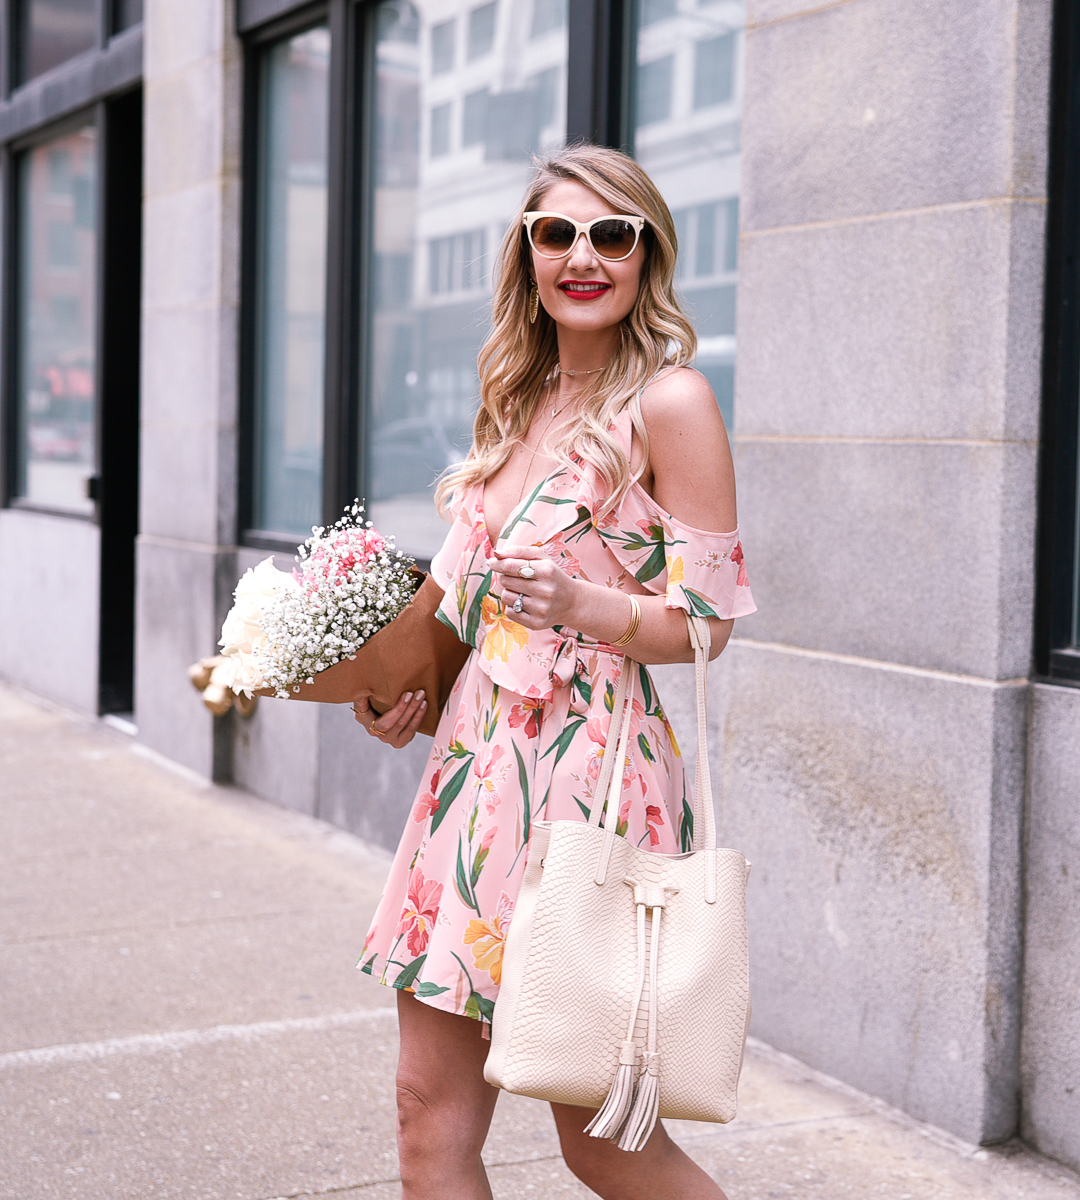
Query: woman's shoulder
<point>679,396</point>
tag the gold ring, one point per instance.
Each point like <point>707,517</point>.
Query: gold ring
<point>527,572</point>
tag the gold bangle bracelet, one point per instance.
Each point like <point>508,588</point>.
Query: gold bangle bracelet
<point>635,623</point>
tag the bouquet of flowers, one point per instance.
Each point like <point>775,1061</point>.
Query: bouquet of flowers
<point>286,627</point>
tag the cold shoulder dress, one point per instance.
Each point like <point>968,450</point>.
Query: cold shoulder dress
<point>525,729</point>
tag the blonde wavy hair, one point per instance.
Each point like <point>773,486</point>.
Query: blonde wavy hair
<point>517,361</point>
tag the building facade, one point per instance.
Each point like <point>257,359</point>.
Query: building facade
<point>247,251</point>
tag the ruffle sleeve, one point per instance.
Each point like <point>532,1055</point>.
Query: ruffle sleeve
<point>700,572</point>
<point>445,564</point>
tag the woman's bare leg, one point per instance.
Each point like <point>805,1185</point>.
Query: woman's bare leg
<point>659,1172</point>
<point>444,1104</point>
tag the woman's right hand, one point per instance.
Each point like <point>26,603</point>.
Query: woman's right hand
<point>397,726</point>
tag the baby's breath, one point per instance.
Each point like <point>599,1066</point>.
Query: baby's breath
<point>351,582</point>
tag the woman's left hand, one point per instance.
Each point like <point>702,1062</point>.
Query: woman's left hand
<point>547,594</point>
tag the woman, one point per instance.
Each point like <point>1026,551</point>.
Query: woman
<point>599,461</point>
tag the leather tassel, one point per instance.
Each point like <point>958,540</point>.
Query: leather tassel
<point>609,1120</point>
<point>646,1108</point>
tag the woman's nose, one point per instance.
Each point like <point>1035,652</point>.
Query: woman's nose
<point>583,257</point>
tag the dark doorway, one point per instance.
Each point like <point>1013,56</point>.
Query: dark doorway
<point>118,480</point>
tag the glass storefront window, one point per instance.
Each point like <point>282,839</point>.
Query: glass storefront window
<point>687,118</point>
<point>57,321</point>
<point>126,13</point>
<point>52,31</point>
<point>291,285</point>
<point>464,94</point>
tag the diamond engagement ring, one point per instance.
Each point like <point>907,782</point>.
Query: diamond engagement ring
<point>518,605</point>
<point>526,572</point>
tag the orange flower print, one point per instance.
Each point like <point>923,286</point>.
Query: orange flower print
<point>743,579</point>
<point>675,570</point>
<point>417,919</point>
<point>527,714</point>
<point>504,636</point>
<point>488,938</point>
<point>670,732</point>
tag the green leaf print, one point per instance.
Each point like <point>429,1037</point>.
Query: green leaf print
<point>461,882</point>
<point>646,688</point>
<point>405,978</point>
<point>582,686</point>
<point>430,989</point>
<point>586,811</point>
<point>523,780</point>
<point>643,742</point>
<point>450,792</point>
<point>699,606</point>
<point>686,826</point>
<point>524,508</point>
<point>472,625</point>
<point>366,968</point>
<point>562,742</point>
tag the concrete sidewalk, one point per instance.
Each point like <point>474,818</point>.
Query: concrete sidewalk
<point>180,1015</point>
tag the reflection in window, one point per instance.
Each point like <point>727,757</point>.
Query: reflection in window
<point>654,90</point>
<point>126,13</point>
<point>57,311</point>
<point>481,31</point>
<point>442,47</point>
<point>546,16</point>
<point>290,321</point>
<point>440,130</point>
<point>473,117</point>
<point>436,226</point>
<point>695,159</point>
<point>52,31</point>
<point>714,68</point>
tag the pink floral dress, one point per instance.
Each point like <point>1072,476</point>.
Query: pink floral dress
<point>525,729</point>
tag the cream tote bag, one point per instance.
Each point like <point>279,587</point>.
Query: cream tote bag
<point>625,983</point>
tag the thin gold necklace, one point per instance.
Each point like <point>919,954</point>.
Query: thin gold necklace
<point>562,371</point>
<point>555,414</point>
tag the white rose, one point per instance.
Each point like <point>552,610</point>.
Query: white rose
<point>242,631</point>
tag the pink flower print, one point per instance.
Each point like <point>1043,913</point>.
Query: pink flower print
<point>597,729</point>
<point>527,714</point>
<point>654,819</point>
<point>427,803</point>
<point>417,919</point>
<point>743,580</point>
<point>488,774</point>
<point>558,549</point>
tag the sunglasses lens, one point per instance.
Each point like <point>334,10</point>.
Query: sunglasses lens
<point>614,238</point>
<point>552,236</point>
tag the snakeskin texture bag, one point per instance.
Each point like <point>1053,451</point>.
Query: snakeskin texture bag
<point>625,982</point>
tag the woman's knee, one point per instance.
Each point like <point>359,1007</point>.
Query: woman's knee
<point>437,1121</point>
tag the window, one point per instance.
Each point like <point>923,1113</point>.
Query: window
<point>687,138</point>
<point>126,13</point>
<point>546,16</point>
<point>440,130</point>
<point>57,321</point>
<point>654,90</point>
<point>714,67</point>
<point>474,117</point>
<point>443,37</point>
<point>419,382</point>
<point>52,31</point>
<point>290,319</point>
<point>481,31</point>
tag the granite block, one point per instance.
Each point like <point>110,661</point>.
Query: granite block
<point>185,110</point>
<point>878,106</point>
<point>191,221</point>
<point>49,605</point>
<point>918,553</point>
<point>925,325</point>
<point>881,809</point>
<point>179,35</point>
<point>181,597</point>
<point>1050,1061</point>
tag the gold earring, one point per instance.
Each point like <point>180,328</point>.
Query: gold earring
<point>534,304</point>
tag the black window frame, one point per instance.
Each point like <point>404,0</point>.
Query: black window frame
<point>32,113</point>
<point>1057,656</point>
<point>600,75</point>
